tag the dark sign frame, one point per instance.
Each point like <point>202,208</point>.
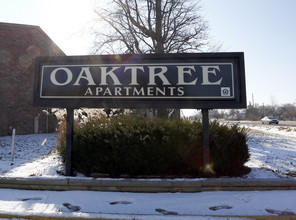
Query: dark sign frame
<point>195,80</point>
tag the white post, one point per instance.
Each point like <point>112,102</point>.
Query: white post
<point>46,125</point>
<point>12,144</point>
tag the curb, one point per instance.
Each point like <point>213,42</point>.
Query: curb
<point>134,216</point>
<point>147,186</point>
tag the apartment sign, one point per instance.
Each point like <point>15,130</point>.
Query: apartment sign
<point>206,80</point>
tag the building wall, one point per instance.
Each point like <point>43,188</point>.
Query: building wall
<point>19,46</point>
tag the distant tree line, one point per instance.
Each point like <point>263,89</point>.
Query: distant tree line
<point>282,112</point>
<point>254,112</point>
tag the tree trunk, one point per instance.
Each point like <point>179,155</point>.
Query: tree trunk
<point>158,29</point>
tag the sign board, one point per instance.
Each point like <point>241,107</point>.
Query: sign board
<point>201,80</point>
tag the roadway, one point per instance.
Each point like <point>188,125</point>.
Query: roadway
<point>281,123</point>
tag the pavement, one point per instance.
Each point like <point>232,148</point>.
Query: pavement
<point>72,198</point>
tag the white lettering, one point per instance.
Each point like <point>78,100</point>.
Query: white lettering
<point>158,79</point>
<point>150,91</point>
<point>88,92</point>
<point>127,89</point>
<point>107,91</point>
<point>181,71</point>
<point>134,79</point>
<point>160,74</point>
<point>171,90</point>
<point>53,76</point>
<point>180,91</point>
<point>99,90</point>
<point>117,91</point>
<point>138,92</point>
<point>205,75</point>
<point>110,73</point>
<point>158,90</point>
<point>87,77</point>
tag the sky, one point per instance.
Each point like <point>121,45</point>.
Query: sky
<point>264,30</point>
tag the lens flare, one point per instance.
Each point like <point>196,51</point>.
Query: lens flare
<point>117,58</point>
<point>209,168</point>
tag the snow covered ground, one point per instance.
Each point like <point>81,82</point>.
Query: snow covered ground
<point>34,156</point>
<point>147,205</point>
<point>273,151</point>
<point>272,148</point>
<point>273,155</point>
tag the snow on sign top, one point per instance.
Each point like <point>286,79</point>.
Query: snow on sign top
<point>205,80</point>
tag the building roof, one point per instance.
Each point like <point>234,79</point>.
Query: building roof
<point>13,31</point>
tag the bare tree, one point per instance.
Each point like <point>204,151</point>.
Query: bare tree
<point>287,111</point>
<point>150,26</point>
<point>273,104</point>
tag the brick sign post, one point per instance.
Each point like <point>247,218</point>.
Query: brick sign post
<point>185,81</point>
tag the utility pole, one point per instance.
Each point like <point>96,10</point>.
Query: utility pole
<point>253,106</point>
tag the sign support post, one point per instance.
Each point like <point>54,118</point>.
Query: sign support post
<point>69,141</point>
<point>206,138</point>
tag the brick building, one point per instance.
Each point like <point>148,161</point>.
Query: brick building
<point>19,46</point>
